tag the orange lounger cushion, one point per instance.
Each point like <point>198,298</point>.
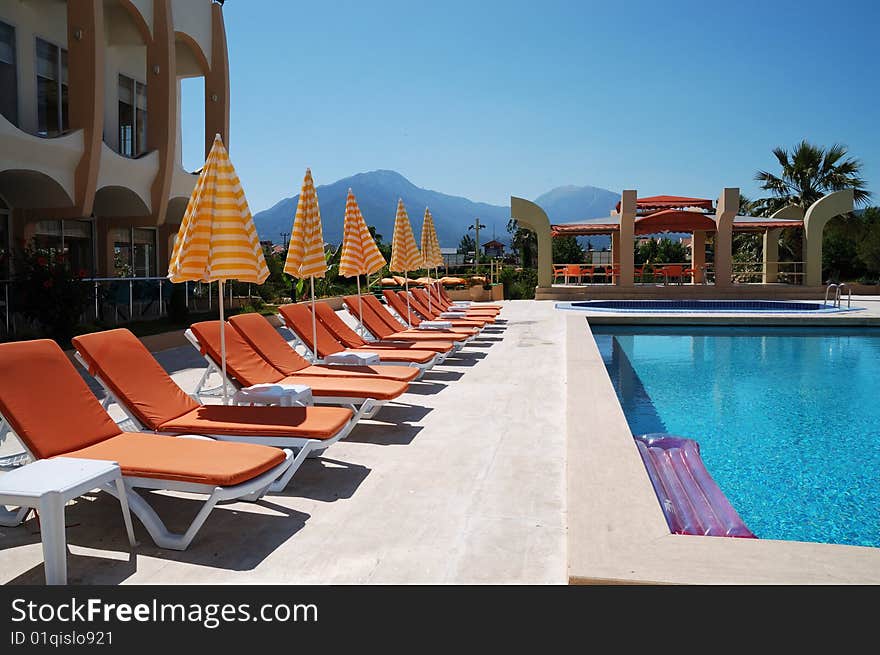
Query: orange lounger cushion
<point>350,387</point>
<point>248,367</point>
<point>216,463</point>
<point>306,422</point>
<point>265,340</point>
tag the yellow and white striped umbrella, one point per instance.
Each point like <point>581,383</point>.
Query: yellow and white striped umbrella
<point>404,251</point>
<point>217,239</point>
<point>431,254</point>
<point>405,255</point>
<point>305,256</point>
<point>360,254</point>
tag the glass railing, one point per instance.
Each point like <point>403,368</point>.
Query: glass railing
<point>119,300</point>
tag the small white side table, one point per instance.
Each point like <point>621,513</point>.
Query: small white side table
<point>286,395</point>
<point>47,485</point>
<point>349,358</point>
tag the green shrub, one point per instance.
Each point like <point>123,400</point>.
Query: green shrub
<point>519,284</point>
<point>50,293</point>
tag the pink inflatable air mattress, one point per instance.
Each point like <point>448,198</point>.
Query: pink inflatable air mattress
<point>691,500</point>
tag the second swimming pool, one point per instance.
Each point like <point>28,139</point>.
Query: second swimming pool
<point>787,420</point>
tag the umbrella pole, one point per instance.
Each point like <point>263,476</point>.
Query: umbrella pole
<point>428,289</point>
<point>314,324</point>
<point>406,286</point>
<point>223,345</point>
<point>360,308</point>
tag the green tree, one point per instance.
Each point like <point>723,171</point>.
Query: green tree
<point>466,245</point>
<point>566,250</point>
<point>525,242</point>
<point>808,173</point>
<point>868,247</point>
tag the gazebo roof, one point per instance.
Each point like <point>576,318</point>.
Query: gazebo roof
<point>670,221</point>
<point>669,202</point>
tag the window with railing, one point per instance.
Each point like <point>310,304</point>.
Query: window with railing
<point>8,74</point>
<point>52,113</point>
<point>132,117</point>
<point>73,238</point>
<point>134,252</point>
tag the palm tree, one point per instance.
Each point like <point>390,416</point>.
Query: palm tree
<point>808,173</point>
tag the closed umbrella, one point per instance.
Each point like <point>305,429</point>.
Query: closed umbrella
<point>217,240</point>
<point>431,254</point>
<point>360,254</point>
<point>305,256</point>
<point>405,254</point>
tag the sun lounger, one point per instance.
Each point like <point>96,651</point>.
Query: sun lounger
<point>384,328</point>
<point>266,340</point>
<point>271,346</point>
<point>412,315</point>
<point>440,304</point>
<point>246,367</point>
<point>53,413</point>
<point>443,294</point>
<point>391,351</point>
<point>151,399</point>
<point>394,329</point>
<point>419,299</point>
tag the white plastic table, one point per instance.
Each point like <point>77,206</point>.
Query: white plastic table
<point>286,395</point>
<point>349,358</point>
<point>47,485</point>
<point>435,325</point>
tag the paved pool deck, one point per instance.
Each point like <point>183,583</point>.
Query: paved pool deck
<point>510,464</point>
<point>462,481</point>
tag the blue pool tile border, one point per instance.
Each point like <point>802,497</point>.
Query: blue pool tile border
<point>706,306</point>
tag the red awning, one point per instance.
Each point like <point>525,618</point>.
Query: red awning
<point>670,202</point>
<point>674,220</point>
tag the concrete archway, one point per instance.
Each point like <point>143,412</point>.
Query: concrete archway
<point>29,189</point>
<point>817,217</point>
<point>530,216</point>
<point>118,201</point>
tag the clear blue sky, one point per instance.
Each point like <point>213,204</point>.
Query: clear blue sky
<point>492,99</point>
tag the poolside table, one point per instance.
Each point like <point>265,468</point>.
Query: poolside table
<point>286,395</point>
<point>46,485</point>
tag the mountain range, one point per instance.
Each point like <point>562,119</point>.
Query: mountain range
<point>377,193</point>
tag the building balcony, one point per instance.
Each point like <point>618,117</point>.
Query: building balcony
<point>124,184</point>
<point>36,172</point>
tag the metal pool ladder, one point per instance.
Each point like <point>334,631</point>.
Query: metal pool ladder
<point>838,290</point>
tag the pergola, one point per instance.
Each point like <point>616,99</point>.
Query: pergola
<point>696,216</point>
<point>699,216</point>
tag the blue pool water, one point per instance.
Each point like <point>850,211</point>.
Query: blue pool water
<point>788,422</point>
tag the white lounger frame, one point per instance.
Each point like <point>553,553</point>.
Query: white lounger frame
<point>307,353</point>
<point>404,323</point>
<point>251,490</point>
<point>362,407</point>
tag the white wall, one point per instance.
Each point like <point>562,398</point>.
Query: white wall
<point>193,17</point>
<point>46,19</point>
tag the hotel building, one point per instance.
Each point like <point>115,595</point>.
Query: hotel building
<point>90,126</point>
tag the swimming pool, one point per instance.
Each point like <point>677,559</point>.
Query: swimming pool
<point>707,306</point>
<point>788,421</point>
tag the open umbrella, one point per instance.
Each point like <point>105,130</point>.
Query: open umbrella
<point>405,256</point>
<point>217,239</point>
<point>431,254</point>
<point>360,254</point>
<point>305,257</point>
